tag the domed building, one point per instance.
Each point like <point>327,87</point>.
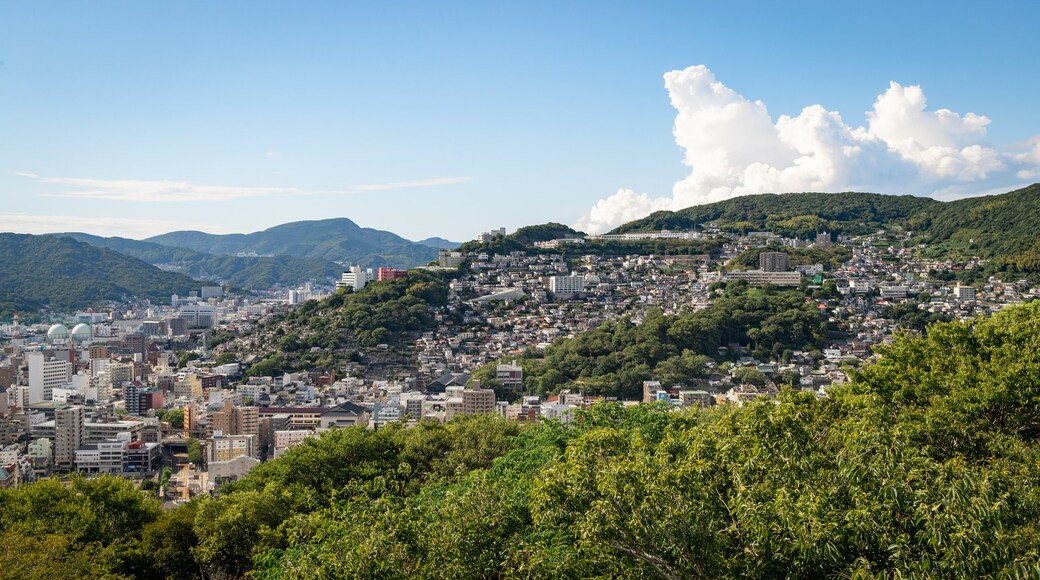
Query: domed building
<point>82,333</point>
<point>57,333</point>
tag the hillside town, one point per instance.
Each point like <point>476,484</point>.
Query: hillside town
<point>143,390</point>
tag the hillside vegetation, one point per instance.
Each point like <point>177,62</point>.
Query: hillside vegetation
<point>1000,228</point>
<point>923,465</point>
<point>615,358</point>
<point>63,274</point>
<point>337,239</point>
<point>800,215</point>
<point>238,272</point>
<point>330,331</point>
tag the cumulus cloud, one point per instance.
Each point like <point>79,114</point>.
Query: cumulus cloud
<point>733,147</point>
<point>141,190</point>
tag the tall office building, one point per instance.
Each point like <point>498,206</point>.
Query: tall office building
<point>68,435</point>
<point>46,375</point>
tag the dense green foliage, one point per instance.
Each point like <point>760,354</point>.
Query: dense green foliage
<point>238,272</point>
<point>924,465</point>
<point>1002,227</point>
<point>66,275</point>
<point>339,240</point>
<point>800,215</point>
<point>615,358</point>
<point>378,314</point>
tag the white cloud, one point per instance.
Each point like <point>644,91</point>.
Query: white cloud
<point>104,226</point>
<point>141,190</point>
<point>733,148</point>
<point>432,182</point>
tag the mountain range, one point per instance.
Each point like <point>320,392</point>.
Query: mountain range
<point>254,273</point>
<point>339,240</point>
<point>64,274</point>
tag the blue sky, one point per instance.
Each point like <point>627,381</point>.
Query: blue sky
<point>446,119</point>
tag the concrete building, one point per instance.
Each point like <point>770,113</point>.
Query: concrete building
<point>68,435</point>
<point>449,259</point>
<point>228,447</point>
<point>103,457</point>
<point>285,440</point>
<point>566,286</point>
<point>198,315</point>
<point>177,326</point>
<point>774,262</point>
<point>964,293</point>
<point>510,376</point>
<point>45,375</point>
<point>893,292</point>
<point>477,401</point>
<point>356,277</point>
<point>761,278</point>
<point>390,274</point>
<point>221,472</point>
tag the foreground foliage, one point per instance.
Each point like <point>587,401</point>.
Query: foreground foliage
<point>925,464</point>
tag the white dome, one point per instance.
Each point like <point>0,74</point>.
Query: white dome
<point>82,333</point>
<point>58,332</point>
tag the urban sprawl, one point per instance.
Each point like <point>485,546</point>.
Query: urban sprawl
<point>133,389</point>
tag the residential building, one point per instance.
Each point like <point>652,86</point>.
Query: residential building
<point>228,447</point>
<point>774,261</point>
<point>964,293</point>
<point>510,376</point>
<point>390,274</point>
<point>68,435</point>
<point>566,286</point>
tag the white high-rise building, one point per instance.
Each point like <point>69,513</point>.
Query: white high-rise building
<point>356,278</point>
<point>566,286</point>
<point>46,375</point>
<point>964,293</point>
<point>199,315</point>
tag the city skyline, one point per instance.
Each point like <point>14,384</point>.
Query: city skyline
<point>139,120</point>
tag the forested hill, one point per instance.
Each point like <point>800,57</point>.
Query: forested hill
<point>924,465</point>
<point>795,214</point>
<point>64,274</point>
<point>337,239</point>
<point>259,273</point>
<point>326,333</point>
<point>998,227</point>
<point>522,239</point>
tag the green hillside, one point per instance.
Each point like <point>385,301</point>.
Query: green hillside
<point>795,214</point>
<point>1002,227</point>
<point>240,272</point>
<point>62,274</point>
<point>345,323</point>
<point>339,240</point>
